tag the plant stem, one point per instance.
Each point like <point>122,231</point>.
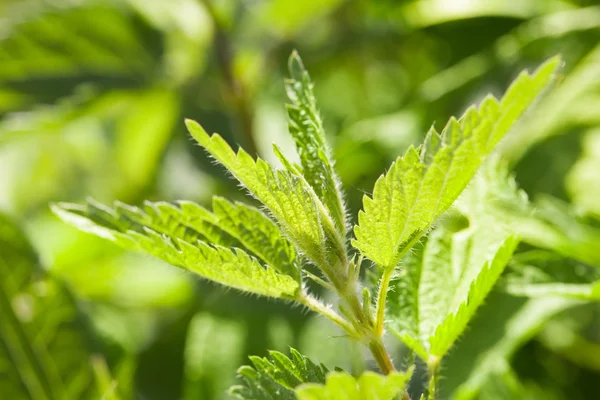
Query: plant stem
<point>384,285</point>
<point>433,365</point>
<point>383,359</point>
<point>317,306</point>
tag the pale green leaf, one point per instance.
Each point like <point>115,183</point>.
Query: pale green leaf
<point>443,281</point>
<point>42,348</point>
<point>275,377</point>
<point>369,386</point>
<point>545,274</point>
<point>214,348</point>
<point>423,183</point>
<point>289,198</point>
<point>306,127</point>
<point>548,223</point>
<point>583,180</point>
<point>454,324</point>
<point>179,244</point>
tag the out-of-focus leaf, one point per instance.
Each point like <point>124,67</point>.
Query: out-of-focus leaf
<point>43,352</point>
<point>583,181</point>
<point>214,348</point>
<point>552,116</point>
<point>544,274</point>
<point>570,344</point>
<point>286,19</point>
<point>550,26</point>
<point>47,57</point>
<point>521,327</point>
<point>142,136</point>
<point>548,223</point>
<point>421,13</point>
<point>369,386</point>
<point>187,33</point>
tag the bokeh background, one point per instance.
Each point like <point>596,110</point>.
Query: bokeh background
<point>93,94</point>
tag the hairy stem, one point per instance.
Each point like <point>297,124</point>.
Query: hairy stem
<point>317,306</point>
<point>434,376</point>
<point>383,359</point>
<point>384,285</point>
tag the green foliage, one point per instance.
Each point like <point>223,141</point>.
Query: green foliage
<point>521,327</point>
<point>92,96</point>
<point>282,377</point>
<point>275,377</point>
<point>431,301</point>
<point>441,285</point>
<point>214,349</point>
<point>423,183</point>
<point>543,274</point>
<point>306,127</point>
<point>180,244</point>
<point>369,386</point>
<point>43,352</point>
<point>547,223</point>
<point>290,199</point>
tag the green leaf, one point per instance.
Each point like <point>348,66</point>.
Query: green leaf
<point>42,349</point>
<point>49,51</point>
<point>545,274</point>
<point>443,282</point>
<point>275,377</point>
<point>369,386</point>
<point>214,348</point>
<point>258,234</point>
<point>142,136</point>
<point>306,127</point>
<point>289,198</point>
<point>583,181</point>
<point>156,232</point>
<point>548,223</point>
<point>454,325</point>
<point>423,183</point>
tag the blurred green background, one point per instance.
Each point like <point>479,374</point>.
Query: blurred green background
<point>93,94</point>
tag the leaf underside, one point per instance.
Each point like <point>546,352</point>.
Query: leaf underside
<point>246,252</point>
<point>423,183</point>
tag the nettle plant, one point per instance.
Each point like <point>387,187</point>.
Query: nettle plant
<point>431,275</point>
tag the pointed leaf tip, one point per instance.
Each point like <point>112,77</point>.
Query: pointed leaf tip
<point>196,130</point>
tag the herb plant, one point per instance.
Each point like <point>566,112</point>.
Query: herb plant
<point>426,277</point>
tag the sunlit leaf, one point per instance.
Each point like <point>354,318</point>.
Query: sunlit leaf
<point>423,183</point>
<point>368,386</point>
<point>180,245</point>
